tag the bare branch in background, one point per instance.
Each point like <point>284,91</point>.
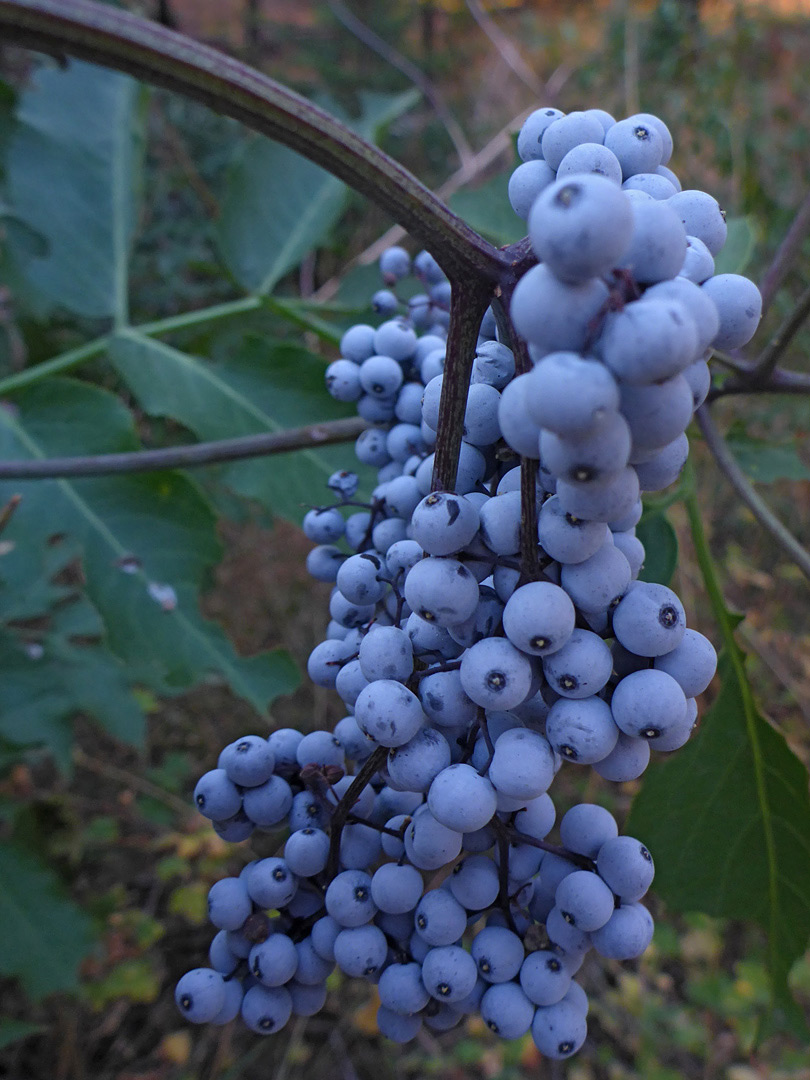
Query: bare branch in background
<point>785,254</point>
<point>506,48</point>
<point>747,380</point>
<point>758,507</point>
<point>388,53</point>
<point>772,353</point>
<point>187,457</point>
<point>780,382</point>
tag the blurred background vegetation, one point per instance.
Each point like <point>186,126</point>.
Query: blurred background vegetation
<point>733,83</point>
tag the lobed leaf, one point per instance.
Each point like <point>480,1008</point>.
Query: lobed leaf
<point>81,126</point>
<point>729,818</point>
<point>660,546</point>
<point>43,934</point>
<point>738,249</point>
<point>138,534</point>
<point>263,386</point>
<point>486,209</point>
<point>278,206</point>
<point>766,462</point>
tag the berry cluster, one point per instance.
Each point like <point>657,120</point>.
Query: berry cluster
<point>472,662</point>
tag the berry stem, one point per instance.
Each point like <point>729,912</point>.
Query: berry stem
<point>341,813</point>
<point>470,299</point>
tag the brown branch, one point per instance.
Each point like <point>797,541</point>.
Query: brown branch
<point>785,254</point>
<point>187,457</point>
<point>112,37</point>
<point>497,146</point>
<point>372,765</point>
<point>761,511</point>
<point>780,381</point>
<point>469,302</point>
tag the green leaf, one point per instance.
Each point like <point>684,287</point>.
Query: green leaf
<point>279,206</point>
<point>12,1031</point>
<point>72,171</point>
<point>41,694</point>
<point>486,209</point>
<point>43,934</point>
<point>729,816</point>
<point>137,533</point>
<point>739,247</point>
<point>766,462</point>
<point>378,110</point>
<point>263,386</point>
<point>22,239</point>
<point>660,546</point>
<point>27,572</point>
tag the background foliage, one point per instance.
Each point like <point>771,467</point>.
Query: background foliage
<point>167,278</point>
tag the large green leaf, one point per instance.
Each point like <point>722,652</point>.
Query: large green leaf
<point>72,178</point>
<point>262,386</point>
<point>739,247</point>
<point>766,461</point>
<point>137,533</point>
<point>660,546</point>
<point>487,210</point>
<point>730,816</point>
<point>41,693</point>
<point>43,934</point>
<point>278,206</point>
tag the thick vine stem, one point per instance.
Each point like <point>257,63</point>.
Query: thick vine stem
<point>151,52</point>
<point>470,298</point>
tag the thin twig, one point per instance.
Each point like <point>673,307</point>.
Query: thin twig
<point>506,49</point>
<point>515,836</point>
<point>733,363</point>
<point>504,904</point>
<point>113,772</point>
<point>402,64</point>
<point>293,1048</point>
<point>176,146</point>
<point>780,382</point>
<point>772,353</point>
<point>187,457</point>
<point>785,254</point>
<point>338,1044</point>
<point>772,659</point>
<point>761,511</point>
